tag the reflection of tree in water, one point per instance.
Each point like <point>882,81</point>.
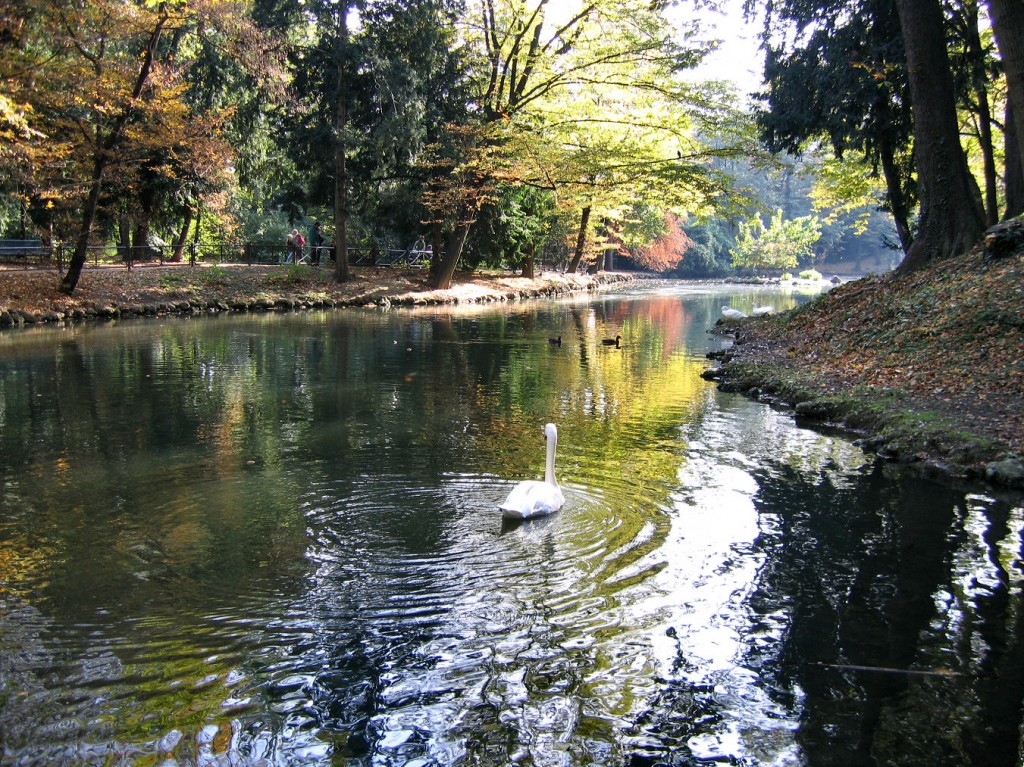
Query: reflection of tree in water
<point>859,572</point>
<point>869,576</point>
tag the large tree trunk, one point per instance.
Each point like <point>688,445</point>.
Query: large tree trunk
<point>581,241</point>
<point>148,201</point>
<point>340,162</point>
<point>446,269</point>
<point>1008,25</point>
<point>528,262</point>
<point>1013,177</point>
<point>951,214</point>
<point>436,249</point>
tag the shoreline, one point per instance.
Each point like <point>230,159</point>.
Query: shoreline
<point>925,370</point>
<point>33,298</point>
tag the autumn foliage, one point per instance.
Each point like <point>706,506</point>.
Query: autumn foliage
<point>665,253</point>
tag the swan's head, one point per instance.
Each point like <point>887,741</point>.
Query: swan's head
<point>550,432</point>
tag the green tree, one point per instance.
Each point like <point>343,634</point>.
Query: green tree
<point>590,106</point>
<point>404,85</point>
<point>844,83</point>
<point>709,255</point>
<point>780,245</point>
<point>951,213</point>
<point>513,228</point>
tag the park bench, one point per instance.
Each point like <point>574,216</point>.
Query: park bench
<point>21,248</point>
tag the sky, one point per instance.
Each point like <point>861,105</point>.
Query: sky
<point>737,58</point>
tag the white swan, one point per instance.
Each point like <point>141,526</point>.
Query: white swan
<point>533,498</point>
<point>760,311</point>
<point>732,314</point>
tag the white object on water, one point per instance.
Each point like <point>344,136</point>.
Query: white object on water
<point>532,498</point>
<point>732,314</point>
<point>761,310</point>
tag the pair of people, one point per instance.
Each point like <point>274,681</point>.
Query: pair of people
<point>295,242</point>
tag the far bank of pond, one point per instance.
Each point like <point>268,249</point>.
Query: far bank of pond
<point>33,297</point>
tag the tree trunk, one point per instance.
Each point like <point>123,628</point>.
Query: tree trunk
<point>951,215</point>
<point>124,238</point>
<point>140,240</point>
<point>987,157</point>
<point>105,146</point>
<point>528,262</point>
<point>147,201</point>
<point>340,160</point>
<point>74,273</point>
<point>980,84</point>
<point>1008,25</point>
<point>452,254</point>
<point>179,241</point>
<point>581,241</point>
<point>897,196</point>
<point>436,249</point>
<point>1013,178</point>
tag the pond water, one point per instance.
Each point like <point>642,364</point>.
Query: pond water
<point>274,539</point>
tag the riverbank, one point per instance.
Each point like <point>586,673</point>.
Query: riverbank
<point>31,297</point>
<point>928,369</point>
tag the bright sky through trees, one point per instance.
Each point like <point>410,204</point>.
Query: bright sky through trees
<point>737,58</point>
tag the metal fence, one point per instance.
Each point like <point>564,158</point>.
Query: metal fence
<point>33,254</point>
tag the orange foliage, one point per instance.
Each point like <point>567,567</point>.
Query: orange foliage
<point>666,251</point>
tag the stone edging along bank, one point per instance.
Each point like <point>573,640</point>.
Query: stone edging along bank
<point>301,298</point>
<point>881,426</point>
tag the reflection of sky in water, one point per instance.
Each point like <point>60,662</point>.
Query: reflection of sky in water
<point>715,569</point>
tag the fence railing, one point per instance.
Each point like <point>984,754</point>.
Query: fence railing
<point>33,254</point>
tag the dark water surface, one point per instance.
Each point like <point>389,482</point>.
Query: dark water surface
<point>275,540</point>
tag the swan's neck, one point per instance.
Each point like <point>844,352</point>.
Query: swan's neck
<point>549,466</point>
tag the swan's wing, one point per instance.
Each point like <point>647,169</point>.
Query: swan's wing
<point>532,498</point>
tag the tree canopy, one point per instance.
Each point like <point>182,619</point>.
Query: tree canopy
<point>499,128</point>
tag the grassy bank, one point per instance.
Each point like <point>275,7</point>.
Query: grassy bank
<point>928,368</point>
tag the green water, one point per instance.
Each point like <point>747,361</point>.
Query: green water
<point>274,539</point>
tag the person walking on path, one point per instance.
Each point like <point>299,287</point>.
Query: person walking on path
<point>316,240</point>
